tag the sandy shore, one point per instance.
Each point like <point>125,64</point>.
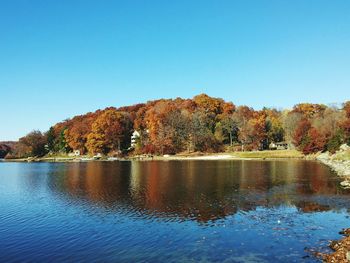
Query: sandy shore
<point>211,157</point>
<point>199,157</point>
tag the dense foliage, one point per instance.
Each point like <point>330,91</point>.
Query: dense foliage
<point>4,149</point>
<point>203,124</point>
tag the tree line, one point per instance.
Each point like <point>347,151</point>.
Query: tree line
<point>203,124</point>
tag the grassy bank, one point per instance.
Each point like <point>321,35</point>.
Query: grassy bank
<point>342,156</point>
<point>280,154</point>
<point>268,154</point>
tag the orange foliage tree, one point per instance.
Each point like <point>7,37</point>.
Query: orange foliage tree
<point>110,132</point>
<point>77,131</point>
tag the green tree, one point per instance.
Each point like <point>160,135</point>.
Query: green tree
<point>51,140</point>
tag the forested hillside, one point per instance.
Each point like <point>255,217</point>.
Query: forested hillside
<point>204,124</point>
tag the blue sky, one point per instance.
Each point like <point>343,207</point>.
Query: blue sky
<point>68,57</point>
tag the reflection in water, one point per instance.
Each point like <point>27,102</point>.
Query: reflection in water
<point>199,190</point>
<point>176,211</point>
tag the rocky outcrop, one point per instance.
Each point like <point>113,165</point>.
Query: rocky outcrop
<point>339,163</point>
<point>341,249</point>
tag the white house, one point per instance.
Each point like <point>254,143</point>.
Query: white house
<point>134,138</point>
<point>75,153</point>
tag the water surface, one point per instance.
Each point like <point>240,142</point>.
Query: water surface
<point>176,211</point>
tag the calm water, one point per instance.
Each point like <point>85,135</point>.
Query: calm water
<point>176,211</point>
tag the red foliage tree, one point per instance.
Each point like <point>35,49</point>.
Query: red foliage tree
<point>301,132</point>
<point>314,142</point>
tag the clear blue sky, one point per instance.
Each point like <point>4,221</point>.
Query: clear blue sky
<point>62,58</point>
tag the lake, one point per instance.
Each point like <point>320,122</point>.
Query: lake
<point>175,211</point>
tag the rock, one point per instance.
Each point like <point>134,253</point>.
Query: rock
<point>335,245</point>
<point>323,156</point>
<point>345,232</point>
<point>345,184</point>
<point>344,147</point>
<point>348,256</point>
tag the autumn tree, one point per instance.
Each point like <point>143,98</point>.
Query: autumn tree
<point>290,121</point>
<point>226,128</point>
<point>345,126</point>
<point>78,130</point>
<point>33,144</point>
<point>111,131</point>
<point>309,110</point>
<point>313,142</point>
<point>259,134</point>
<point>201,132</point>
<point>208,104</point>
<point>301,132</point>
<point>157,126</point>
<point>177,122</point>
<point>164,139</point>
<point>4,150</point>
<point>242,117</point>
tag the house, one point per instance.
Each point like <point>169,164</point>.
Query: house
<point>278,146</point>
<point>75,153</point>
<point>134,138</point>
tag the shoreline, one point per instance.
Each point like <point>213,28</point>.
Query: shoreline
<point>341,249</point>
<point>339,163</point>
<point>254,155</point>
<point>155,158</point>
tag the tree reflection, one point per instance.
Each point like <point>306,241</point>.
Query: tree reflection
<point>199,190</point>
